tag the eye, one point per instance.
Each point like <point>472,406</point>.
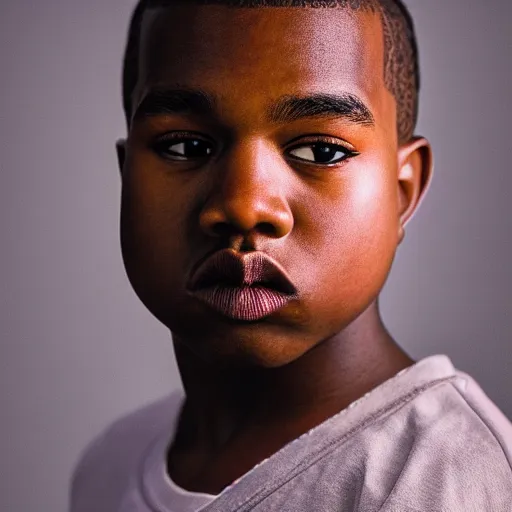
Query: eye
<point>321,153</point>
<point>183,148</point>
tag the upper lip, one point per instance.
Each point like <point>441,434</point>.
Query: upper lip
<point>233,268</point>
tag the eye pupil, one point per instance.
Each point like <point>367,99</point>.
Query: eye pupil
<point>195,148</point>
<point>324,153</point>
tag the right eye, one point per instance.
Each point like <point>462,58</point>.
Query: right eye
<point>183,148</point>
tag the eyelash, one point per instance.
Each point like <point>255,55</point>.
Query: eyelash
<point>312,140</point>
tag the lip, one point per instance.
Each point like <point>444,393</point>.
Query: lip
<point>247,286</point>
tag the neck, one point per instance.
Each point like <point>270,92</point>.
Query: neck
<point>221,403</point>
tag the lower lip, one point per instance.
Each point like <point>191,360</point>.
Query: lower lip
<point>243,303</point>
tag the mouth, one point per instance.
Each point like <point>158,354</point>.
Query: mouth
<point>242,287</point>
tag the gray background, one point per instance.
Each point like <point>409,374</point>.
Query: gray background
<point>77,347</point>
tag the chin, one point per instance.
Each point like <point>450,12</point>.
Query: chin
<point>270,342</point>
<point>265,343</point>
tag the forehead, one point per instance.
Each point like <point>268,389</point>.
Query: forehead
<point>233,52</point>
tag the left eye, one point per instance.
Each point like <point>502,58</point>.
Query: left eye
<point>320,153</point>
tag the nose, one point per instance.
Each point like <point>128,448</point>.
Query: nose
<point>247,194</point>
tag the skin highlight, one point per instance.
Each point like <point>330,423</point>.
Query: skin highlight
<point>252,387</point>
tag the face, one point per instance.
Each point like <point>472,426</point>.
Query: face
<point>270,130</point>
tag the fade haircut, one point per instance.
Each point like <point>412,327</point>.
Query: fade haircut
<point>401,69</point>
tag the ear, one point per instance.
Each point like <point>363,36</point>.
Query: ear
<point>415,169</point>
<point>121,154</point>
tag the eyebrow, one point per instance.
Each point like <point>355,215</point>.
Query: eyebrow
<point>345,105</point>
<point>287,109</point>
<point>175,101</point>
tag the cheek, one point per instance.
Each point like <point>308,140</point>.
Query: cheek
<point>153,225</point>
<point>355,236</point>
<point>372,213</point>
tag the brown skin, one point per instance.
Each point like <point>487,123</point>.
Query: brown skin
<point>254,386</point>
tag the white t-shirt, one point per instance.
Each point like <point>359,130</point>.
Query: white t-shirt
<point>426,440</point>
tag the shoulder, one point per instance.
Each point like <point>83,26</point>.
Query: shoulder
<point>460,454</point>
<point>461,418</point>
<point>115,455</point>
<point>484,412</point>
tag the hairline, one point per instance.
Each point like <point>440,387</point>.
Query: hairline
<point>384,8</point>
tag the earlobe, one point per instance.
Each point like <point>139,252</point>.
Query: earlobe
<point>121,154</point>
<point>415,170</point>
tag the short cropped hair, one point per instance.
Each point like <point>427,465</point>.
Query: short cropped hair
<point>401,67</point>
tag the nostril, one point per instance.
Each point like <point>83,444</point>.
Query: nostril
<point>223,229</point>
<point>267,228</point>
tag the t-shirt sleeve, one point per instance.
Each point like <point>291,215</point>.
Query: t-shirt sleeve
<point>462,462</point>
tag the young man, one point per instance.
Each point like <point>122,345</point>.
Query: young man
<point>269,171</point>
